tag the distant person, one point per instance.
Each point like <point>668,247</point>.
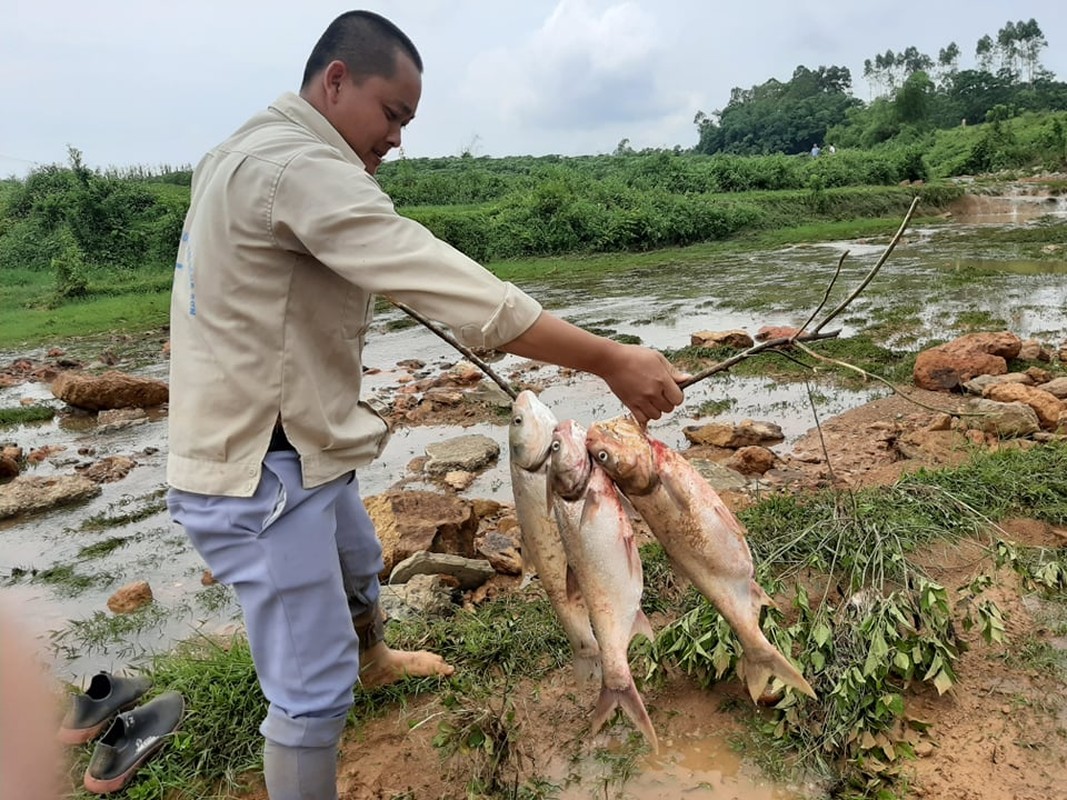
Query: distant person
<point>287,241</point>
<point>831,149</point>
<point>815,150</point>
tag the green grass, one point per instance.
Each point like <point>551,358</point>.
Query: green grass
<point>20,415</point>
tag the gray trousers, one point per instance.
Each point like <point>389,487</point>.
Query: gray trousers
<point>304,564</point>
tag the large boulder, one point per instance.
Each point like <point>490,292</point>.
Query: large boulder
<point>1047,406</point>
<point>744,434</point>
<point>947,366</point>
<point>110,390</point>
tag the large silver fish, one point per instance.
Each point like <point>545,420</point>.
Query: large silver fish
<point>703,538</point>
<point>529,440</point>
<point>604,566</point>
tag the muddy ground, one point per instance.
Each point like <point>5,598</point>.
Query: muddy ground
<point>999,734</point>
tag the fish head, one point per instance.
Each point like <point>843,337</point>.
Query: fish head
<point>568,460</point>
<point>621,448</point>
<point>530,432</point>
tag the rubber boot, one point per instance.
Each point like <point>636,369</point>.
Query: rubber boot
<point>300,773</point>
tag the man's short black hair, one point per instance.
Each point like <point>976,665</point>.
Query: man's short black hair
<point>366,42</point>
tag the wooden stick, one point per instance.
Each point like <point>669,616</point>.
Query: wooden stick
<point>458,345</point>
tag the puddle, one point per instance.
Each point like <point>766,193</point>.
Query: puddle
<point>1015,209</point>
<point>695,767</point>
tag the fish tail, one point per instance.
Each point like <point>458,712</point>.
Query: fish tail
<point>759,670</point>
<point>629,700</point>
<point>643,626</point>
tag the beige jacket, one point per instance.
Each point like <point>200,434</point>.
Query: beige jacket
<point>286,242</point>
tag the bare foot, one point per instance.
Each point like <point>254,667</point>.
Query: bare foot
<point>383,665</point>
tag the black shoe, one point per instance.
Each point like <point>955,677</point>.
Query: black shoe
<point>90,712</point>
<point>131,739</point>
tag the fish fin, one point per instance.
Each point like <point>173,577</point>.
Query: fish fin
<point>642,626</point>
<point>574,591</point>
<point>680,500</point>
<point>759,671</point>
<point>629,700</point>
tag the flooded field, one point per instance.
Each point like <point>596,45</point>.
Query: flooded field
<point>60,567</point>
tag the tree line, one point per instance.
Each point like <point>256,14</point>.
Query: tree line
<point>914,94</point>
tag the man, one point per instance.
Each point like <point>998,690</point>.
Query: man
<point>287,240</point>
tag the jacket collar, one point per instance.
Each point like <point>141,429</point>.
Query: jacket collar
<point>299,111</point>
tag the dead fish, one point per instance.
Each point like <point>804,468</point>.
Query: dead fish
<point>604,566</point>
<point>529,440</point>
<point>703,538</point>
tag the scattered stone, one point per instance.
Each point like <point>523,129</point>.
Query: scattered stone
<point>459,480</point>
<point>1032,350</point>
<point>942,422</point>
<point>29,495</point>
<point>9,467</point>
<point>979,384</point>
<point>1003,419</point>
<point>208,578</point>
<point>737,339</point>
<point>470,453</point>
<point>130,597</point>
<point>744,434</point>
<point>469,573</point>
<point>485,508</point>
<point>109,469</point>
<point>768,332</point>
<point>114,419</point>
<point>410,521</point>
<point>752,460</point>
<point>947,366</point>
<point>721,478</point>
<point>502,552</point>
<point>1057,387</point>
<point>110,390</point>
<point>1047,406</point>
<point>423,596</point>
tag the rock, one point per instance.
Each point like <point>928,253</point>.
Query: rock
<point>208,578</point>
<point>28,495</point>
<point>113,419</point>
<point>485,508</point>
<point>752,460</point>
<point>1004,419</point>
<point>1047,406</point>
<point>745,434</point>
<point>947,366</point>
<point>9,467</point>
<point>469,453</point>
<point>459,480</point>
<point>979,384</point>
<point>768,332</point>
<point>423,596</point>
<point>502,552</point>
<point>110,390</point>
<point>1032,350</point>
<point>469,573</point>
<point>737,339</point>
<point>410,521</point>
<point>1057,387</point>
<point>110,469</point>
<point>130,597</point>
<point>721,478</point>
<point>1038,375</point>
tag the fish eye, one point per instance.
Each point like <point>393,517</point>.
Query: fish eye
<point>602,456</point>
<point>517,420</point>
<point>555,446</point>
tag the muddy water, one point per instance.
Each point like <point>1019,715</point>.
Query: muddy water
<point>935,281</point>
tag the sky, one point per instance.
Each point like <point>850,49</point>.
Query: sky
<point>143,82</point>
